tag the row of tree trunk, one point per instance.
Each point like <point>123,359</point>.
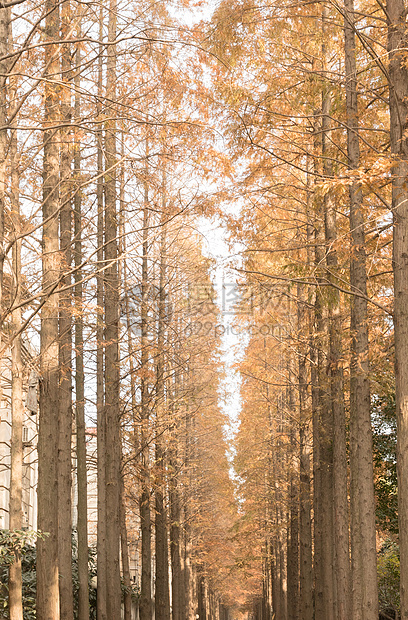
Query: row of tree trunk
<point>156,422</point>
<point>339,579</point>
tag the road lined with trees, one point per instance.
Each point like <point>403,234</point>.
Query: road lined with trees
<point>122,125</point>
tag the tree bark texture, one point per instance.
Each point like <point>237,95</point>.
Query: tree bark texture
<point>65,332</point>
<point>189,590</point>
<point>362,504</point>
<point>293,525</point>
<point>145,606</point>
<point>127,598</point>
<point>4,35</point>
<point>325,406</point>
<point>82,485</point>
<point>177,584</point>
<point>305,522</point>
<point>17,408</point>
<point>339,496</point>
<point>16,471</point>
<point>162,595</point>
<point>317,360</point>
<point>111,291</point>
<point>47,490</point>
<point>398,88</point>
<point>340,493</point>
<point>100,366</point>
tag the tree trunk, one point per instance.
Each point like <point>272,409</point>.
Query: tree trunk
<point>280,546</point>
<point>82,506</point>
<point>162,595</point>
<point>16,466</point>
<point>162,600</point>
<point>316,357</point>
<point>47,490</point>
<point>190,599</point>
<point>17,409</point>
<point>326,430</point>
<point>65,334</point>
<point>177,591</point>
<point>269,508</point>
<point>362,504</point>
<point>293,525</point>
<point>325,438</point>
<point>145,609</point>
<point>339,496</point>
<point>398,87</point>
<point>100,367</point>
<point>131,352</point>
<point>111,290</point>
<point>189,611</point>
<point>201,597</point>
<point>305,525</point>
<point>125,553</point>
<point>124,545</point>
<point>4,33</point>
<point>268,576</point>
<point>282,552</point>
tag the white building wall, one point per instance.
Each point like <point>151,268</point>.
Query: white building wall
<point>29,454</point>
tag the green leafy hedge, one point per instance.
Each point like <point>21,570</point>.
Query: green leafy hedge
<point>388,567</point>
<point>23,544</point>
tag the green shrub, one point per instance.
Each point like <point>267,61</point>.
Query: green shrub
<point>388,566</point>
<point>23,543</point>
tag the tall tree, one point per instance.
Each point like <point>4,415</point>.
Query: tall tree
<point>363,537</point>
<point>100,349</point>
<point>305,525</point>
<point>162,596</point>
<point>17,371</point>
<point>4,35</point>
<point>111,305</point>
<point>398,89</point>
<point>65,327</point>
<point>339,500</point>
<point>47,492</point>
<point>293,499</point>
<point>145,605</point>
<point>82,506</point>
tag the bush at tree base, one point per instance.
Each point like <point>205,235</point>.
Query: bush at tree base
<point>388,565</point>
<point>24,542</point>
<point>28,556</point>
